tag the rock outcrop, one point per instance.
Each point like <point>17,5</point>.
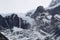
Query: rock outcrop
<point>38,11</point>
<point>9,21</point>
<point>50,26</point>
<point>2,37</point>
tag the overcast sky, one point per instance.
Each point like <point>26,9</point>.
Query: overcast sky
<point>18,6</point>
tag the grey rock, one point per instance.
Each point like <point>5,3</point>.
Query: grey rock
<point>2,37</point>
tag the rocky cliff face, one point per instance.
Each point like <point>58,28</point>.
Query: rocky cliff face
<point>48,19</point>
<point>9,21</point>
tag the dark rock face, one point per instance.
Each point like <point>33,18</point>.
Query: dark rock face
<point>2,37</point>
<point>12,20</point>
<point>9,21</point>
<point>15,20</point>
<point>2,22</point>
<point>39,10</point>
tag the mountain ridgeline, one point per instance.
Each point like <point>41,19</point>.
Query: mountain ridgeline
<point>44,19</point>
<point>44,22</point>
<point>8,22</point>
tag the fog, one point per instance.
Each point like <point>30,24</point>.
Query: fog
<point>21,6</point>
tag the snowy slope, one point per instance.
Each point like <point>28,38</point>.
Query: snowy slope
<point>40,27</point>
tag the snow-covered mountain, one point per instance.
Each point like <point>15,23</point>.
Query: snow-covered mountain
<point>47,19</point>
<point>38,24</point>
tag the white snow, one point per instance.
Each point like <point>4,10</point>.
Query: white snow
<point>20,34</point>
